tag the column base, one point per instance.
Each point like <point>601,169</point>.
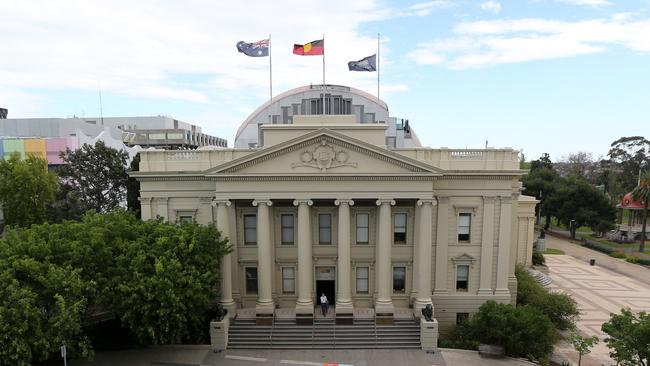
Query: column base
<point>231,306</point>
<point>485,291</point>
<point>264,312</point>
<point>502,292</point>
<point>344,312</point>
<point>420,304</point>
<point>384,311</point>
<point>304,312</point>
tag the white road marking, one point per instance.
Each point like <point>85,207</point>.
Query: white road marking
<point>245,358</point>
<point>292,362</point>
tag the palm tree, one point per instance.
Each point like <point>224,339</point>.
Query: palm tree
<point>642,193</point>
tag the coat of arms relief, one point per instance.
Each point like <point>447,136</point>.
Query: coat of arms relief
<point>324,157</point>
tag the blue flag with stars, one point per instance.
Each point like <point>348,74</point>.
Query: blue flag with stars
<point>255,49</point>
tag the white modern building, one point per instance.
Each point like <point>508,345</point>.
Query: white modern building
<point>348,203</point>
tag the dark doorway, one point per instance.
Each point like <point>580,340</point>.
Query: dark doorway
<point>327,287</point>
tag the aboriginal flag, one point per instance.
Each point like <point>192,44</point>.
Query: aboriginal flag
<point>313,48</point>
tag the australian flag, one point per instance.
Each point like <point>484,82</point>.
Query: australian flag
<point>255,49</point>
<point>365,64</point>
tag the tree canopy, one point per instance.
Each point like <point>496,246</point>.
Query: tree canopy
<point>629,337</point>
<point>26,189</point>
<point>97,174</point>
<point>159,280</point>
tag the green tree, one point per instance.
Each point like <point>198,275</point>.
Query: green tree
<point>582,344</point>
<point>642,193</point>
<point>577,203</point>
<point>523,331</point>
<point>133,189</point>
<point>97,174</point>
<point>41,303</point>
<point>67,205</point>
<point>627,157</point>
<point>26,188</point>
<point>541,183</point>
<point>629,337</point>
<point>561,309</point>
<point>158,279</point>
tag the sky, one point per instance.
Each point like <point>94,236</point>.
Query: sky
<point>555,76</point>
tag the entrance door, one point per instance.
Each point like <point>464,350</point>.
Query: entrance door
<point>326,284</point>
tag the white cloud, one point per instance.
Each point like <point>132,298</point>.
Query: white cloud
<point>147,48</point>
<point>425,8</point>
<point>587,2</point>
<point>485,43</point>
<point>491,6</point>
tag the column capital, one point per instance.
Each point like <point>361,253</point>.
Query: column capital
<point>303,202</point>
<point>489,199</point>
<point>442,199</point>
<point>424,201</point>
<point>506,199</point>
<point>262,201</point>
<point>217,202</point>
<point>344,202</point>
<point>384,200</point>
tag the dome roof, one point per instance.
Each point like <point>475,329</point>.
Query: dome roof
<point>307,88</point>
<point>628,202</point>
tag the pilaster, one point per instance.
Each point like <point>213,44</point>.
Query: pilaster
<point>487,246</point>
<point>505,233</point>
<point>442,243</point>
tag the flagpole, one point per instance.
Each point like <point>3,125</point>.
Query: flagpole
<point>377,65</point>
<point>323,73</point>
<point>270,72</point>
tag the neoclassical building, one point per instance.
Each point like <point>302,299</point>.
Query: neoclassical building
<point>348,203</point>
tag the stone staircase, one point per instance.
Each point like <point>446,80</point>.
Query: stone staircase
<point>540,277</point>
<point>324,334</point>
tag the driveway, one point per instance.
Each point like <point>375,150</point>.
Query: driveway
<point>598,291</point>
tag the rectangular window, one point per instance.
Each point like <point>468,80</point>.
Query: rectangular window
<point>288,280</point>
<point>399,279</point>
<point>185,219</point>
<point>462,277</point>
<point>250,229</point>
<point>362,228</point>
<point>362,280</point>
<point>251,280</point>
<point>464,226</point>
<point>399,228</point>
<point>287,228</point>
<point>325,228</point>
<point>462,318</point>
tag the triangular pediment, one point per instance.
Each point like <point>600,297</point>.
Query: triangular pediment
<point>324,152</point>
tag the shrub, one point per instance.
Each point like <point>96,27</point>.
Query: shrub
<point>538,259</point>
<point>632,259</point>
<point>592,244</point>
<point>561,309</point>
<point>618,255</point>
<point>461,336</point>
<point>523,331</point>
<point>645,262</point>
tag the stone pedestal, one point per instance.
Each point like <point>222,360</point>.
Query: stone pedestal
<point>429,335</point>
<point>540,245</point>
<point>219,334</point>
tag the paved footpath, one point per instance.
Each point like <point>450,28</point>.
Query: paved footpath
<point>598,290</point>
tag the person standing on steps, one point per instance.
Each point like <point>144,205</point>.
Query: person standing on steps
<point>324,304</point>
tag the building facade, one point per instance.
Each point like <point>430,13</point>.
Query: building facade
<point>326,206</point>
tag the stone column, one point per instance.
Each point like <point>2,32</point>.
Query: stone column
<point>223,224</point>
<point>442,242</point>
<point>265,304</point>
<point>344,308</point>
<point>487,247</point>
<point>505,233</point>
<point>305,304</point>
<point>424,255</point>
<point>383,280</point>
<point>145,208</point>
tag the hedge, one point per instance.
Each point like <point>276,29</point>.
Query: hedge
<point>592,244</point>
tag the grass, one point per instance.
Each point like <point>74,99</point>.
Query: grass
<point>553,251</point>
